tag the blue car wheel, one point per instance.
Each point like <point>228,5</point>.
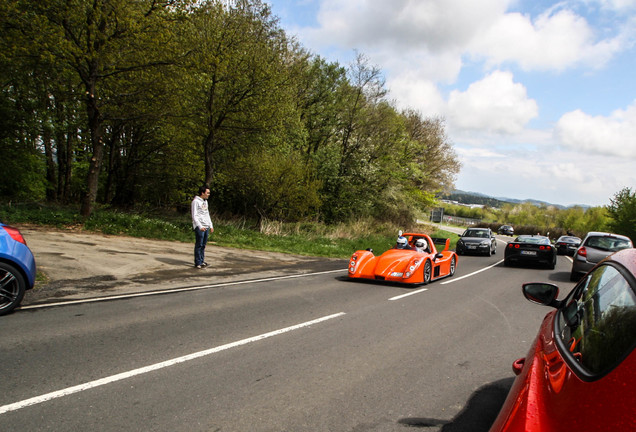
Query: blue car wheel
<point>12,288</point>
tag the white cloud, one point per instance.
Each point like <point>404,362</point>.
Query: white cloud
<point>495,104</point>
<point>565,172</point>
<point>613,135</point>
<point>575,178</point>
<point>439,68</point>
<point>422,95</point>
<point>556,40</point>
<point>432,25</point>
<point>467,154</point>
<point>617,4</point>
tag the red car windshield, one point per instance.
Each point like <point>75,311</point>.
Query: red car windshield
<point>597,325</point>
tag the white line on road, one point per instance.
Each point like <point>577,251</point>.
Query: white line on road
<point>172,290</point>
<point>125,375</point>
<point>472,274</point>
<point>408,294</point>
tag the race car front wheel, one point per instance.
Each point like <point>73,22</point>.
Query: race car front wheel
<point>427,272</point>
<point>12,287</point>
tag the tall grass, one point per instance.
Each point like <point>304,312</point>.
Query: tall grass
<point>304,238</point>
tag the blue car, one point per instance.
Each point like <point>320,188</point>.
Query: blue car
<point>17,268</point>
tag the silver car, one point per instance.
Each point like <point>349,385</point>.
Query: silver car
<point>594,247</point>
<point>477,240</point>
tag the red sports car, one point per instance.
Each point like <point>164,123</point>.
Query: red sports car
<point>414,260</point>
<point>580,374</point>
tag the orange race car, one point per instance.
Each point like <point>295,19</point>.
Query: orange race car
<point>413,260</point>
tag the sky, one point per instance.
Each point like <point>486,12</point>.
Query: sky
<point>538,96</point>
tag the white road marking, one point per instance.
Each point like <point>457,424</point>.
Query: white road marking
<point>446,282</point>
<point>173,290</point>
<point>125,375</point>
<point>408,294</point>
<point>472,274</point>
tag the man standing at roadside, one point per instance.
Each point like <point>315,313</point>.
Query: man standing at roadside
<point>202,225</point>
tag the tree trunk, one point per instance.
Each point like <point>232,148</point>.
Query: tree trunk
<point>51,189</point>
<point>209,159</point>
<point>95,163</point>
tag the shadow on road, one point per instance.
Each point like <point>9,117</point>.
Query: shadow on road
<point>478,415</point>
<point>560,277</point>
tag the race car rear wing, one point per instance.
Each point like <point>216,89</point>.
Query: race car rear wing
<point>442,241</point>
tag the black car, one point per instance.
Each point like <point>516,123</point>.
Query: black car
<point>531,249</point>
<point>506,229</point>
<point>567,245</point>
<point>477,240</point>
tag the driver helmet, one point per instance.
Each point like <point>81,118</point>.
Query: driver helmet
<point>420,243</point>
<point>401,242</point>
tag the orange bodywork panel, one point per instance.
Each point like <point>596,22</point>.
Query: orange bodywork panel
<point>405,265</point>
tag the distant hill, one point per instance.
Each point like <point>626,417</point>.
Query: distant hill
<point>472,198</point>
<point>465,197</point>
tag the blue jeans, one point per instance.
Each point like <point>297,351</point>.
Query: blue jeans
<point>201,239</point>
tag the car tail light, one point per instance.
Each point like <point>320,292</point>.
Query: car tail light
<point>14,233</point>
<point>582,251</point>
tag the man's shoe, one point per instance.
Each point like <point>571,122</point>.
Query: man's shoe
<point>198,266</point>
<point>204,264</point>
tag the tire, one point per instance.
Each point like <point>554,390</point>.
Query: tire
<point>506,262</point>
<point>12,288</point>
<point>552,265</point>
<point>453,264</point>
<point>427,272</point>
<point>494,252</point>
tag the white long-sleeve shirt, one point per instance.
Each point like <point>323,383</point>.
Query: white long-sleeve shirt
<point>200,213</point>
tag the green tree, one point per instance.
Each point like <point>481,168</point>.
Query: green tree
<point>98,42</point>
<point>344,165</point>
<point>271,184</point>
<point>432,160</point>
<point>235,86</point>
<point>317,99</point>
<point>622,211</point>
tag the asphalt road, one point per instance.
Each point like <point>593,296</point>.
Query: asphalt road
<point>308,353</point>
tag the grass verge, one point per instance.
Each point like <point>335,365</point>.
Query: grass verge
<point>312,239</point>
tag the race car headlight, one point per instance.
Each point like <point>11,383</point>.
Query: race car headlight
<point>485,243</point>
<point>414,265</point>
<point>352,264</point>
